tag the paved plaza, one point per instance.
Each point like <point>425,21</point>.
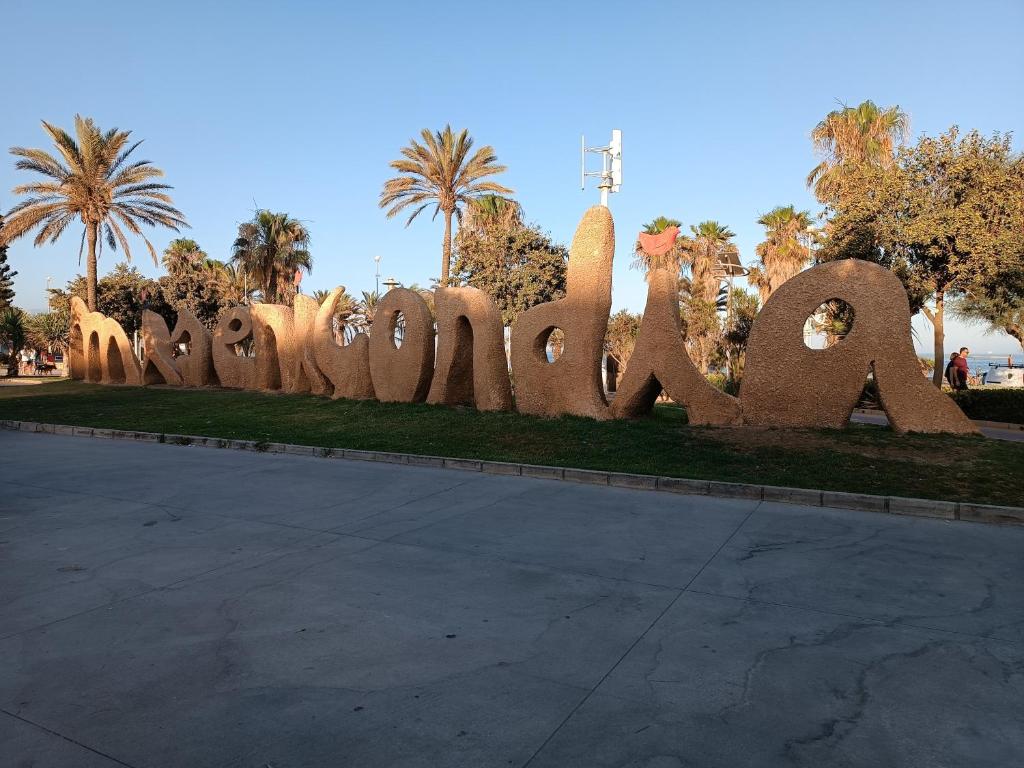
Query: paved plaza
<point>183,607</point>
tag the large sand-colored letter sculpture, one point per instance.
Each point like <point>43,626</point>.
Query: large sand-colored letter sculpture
<point>106,355</point>
<point>196,365</point>
<point>279,334</point>
<point>471,367</point>
<point>158,363</point>
<point>660,360</point>
<point>347,367</point>
<point>787,384</point>
<point>572,383</point>
<point>401,374</point>
<point>304,322</point>
<point>233,370</point>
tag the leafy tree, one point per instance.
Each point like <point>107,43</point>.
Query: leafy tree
<point>122,295</point>
<point>516,265</point>
<point>441,172</point>
<point>946,218</point>
<point>785,250</point>
<point>272,249</point>
<point>737,333</point>
<point>194,282</point>
<point>7,275</point>
<point>13,335</point>
<point>703,330</point>
<point>620,339</point>
<point>1000,314</point>
<point>93,181</point>
<point>850,137</point>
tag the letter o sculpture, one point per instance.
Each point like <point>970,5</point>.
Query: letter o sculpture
<point>787,384</point>
<point>402,374</point>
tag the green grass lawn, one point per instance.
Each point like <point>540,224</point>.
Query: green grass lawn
<point>861,458</point>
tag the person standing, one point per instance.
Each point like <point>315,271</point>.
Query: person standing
<point>962,370</point>
<point>951,372</point>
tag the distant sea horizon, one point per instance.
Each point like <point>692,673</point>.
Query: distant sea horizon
<point>979,361</point>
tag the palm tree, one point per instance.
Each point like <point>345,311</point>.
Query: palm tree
<point>93,181</point>
<point>13,336</point>
<point>851,136</point>
<point>345,310</point>
<point>785,250</point>
<point>232,282</point>
<point>49,331</point>
<point>709,246</point>
<point>441,172</point>
<point>491,211</point>
<point>183,253</point>
<point>271,249</point>
<point>368,308</point>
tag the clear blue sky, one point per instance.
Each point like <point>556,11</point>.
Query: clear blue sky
<point>300,106</point>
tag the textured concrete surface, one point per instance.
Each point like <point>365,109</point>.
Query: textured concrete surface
<point>169,606</point>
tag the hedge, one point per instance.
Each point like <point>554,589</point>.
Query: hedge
<point>995,404</point>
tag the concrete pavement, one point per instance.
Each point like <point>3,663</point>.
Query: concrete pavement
<point>179,606</point>
<point>996,433</point>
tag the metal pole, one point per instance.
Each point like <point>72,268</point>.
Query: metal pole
<point>728,320</point>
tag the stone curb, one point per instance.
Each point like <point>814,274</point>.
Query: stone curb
<point>893,505</point>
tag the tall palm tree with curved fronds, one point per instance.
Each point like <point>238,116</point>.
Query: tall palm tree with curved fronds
<point>440,172</point>
<point>91,179</point>
<point>710,244</point>
<point>851,136</point>
<point>785,251</point>
<point>271,249</point>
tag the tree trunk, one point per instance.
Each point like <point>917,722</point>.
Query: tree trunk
<point>1017,332</point>
<point>446,248</point>
<point>937,317</point>
<point>90,266</point>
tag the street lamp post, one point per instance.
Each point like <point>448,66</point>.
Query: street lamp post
<point>376,260</point>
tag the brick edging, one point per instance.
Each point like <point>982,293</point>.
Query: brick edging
<point>895,505</point>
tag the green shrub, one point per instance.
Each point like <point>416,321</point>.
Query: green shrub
<point>1003,404</point>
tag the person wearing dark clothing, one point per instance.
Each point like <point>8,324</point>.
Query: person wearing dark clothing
<point>950,375</point>
<point>962,371</point>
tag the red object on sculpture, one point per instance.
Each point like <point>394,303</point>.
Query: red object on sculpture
<point>659,244</point>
